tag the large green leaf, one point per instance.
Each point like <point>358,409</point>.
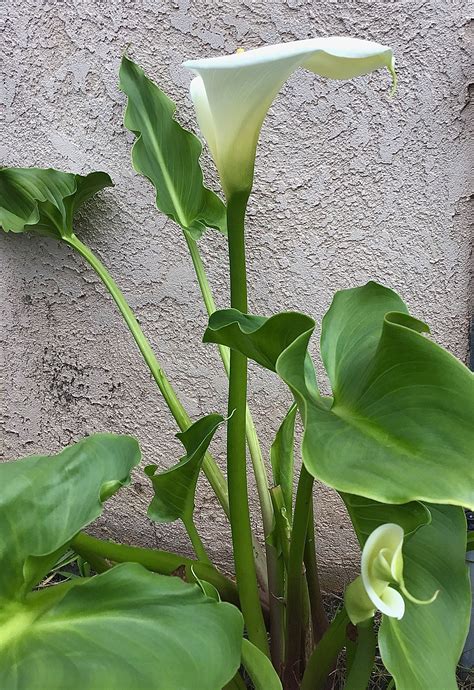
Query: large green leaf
<point>422,649</point>
<point>175,488</point>
<point>401,426</point>
<point>44,200</point>
<point>168,155</point>
<point>125,629</point>
<point>46,500</point>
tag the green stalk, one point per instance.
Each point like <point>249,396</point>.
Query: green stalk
<point>277,617</point>
<point>211,470</point>
<point>251,433</point>
<point>323,657</point>
<point>267,568</point>
<point>158,561</point>
<point>319,621</point>
<point>236,440</point>
<point>294,614</point>
<point>196,541</point>
<point>364,657</point>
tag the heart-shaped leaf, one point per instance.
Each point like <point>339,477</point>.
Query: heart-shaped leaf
<point>401,426</point>
<point>46,500</point>
<point>422,649</point>
<point>127,628</point>
<point>44,200</point>
<point>168,155</point>
<point>175,488</point>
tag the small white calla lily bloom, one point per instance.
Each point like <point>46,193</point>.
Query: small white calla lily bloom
<point>233,93</point>
<point>381,564</point>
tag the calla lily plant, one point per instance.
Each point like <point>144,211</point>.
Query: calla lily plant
<point>395,439</point>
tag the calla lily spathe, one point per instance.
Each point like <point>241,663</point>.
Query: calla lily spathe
<point>381,565</point>
<point>232,93</point>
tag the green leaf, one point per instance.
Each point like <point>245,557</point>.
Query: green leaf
<point>422,649</point>
<point>168,155</point>
<point>46,500</point>
<point>127,628</point>
<point>44,201</point>
<point>401,426</point>
<point>366,515</point>
<point>282,458</point>
<point>259,667</point>
<point>175,488</point>
<point>403,406</point>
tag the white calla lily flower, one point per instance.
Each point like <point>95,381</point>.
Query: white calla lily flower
<point>233,93</point>
<point>381,565</point>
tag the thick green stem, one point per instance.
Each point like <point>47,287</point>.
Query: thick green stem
<point>294,615</point>
<point>252,438</point>
<point>158,561</point>
<point>364,657</point>
<point>251,433</point>
<point>236,439</point>
<point>196,541</point>
<point>323,657</point>
<point>211,470</point>
<point>319,619</point>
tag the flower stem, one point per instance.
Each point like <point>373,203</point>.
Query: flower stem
<point>252,438</point>
<point>236,443</point>
<point>251,433</point>
<point>211,470</point>
<point>294,616</point>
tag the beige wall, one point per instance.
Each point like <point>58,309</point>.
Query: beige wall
<point>350,185</point>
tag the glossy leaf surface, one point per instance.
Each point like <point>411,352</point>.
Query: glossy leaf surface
<point>401,426</point>
<point>174,488</point>
<point>168,155</point>
<point>127,628</point>
<point>46,500</point>
<point>422,649</point>
<point>44,200</point>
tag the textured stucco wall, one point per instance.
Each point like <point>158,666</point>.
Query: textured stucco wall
<point>350,185</point>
